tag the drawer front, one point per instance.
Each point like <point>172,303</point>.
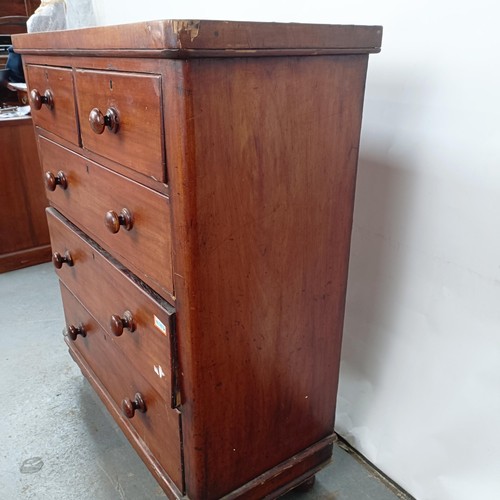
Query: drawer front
<point>159,426</point>
<point>92,192</point>
<point>133,135</point>
<point>57,113</point>
<point>146,337</point>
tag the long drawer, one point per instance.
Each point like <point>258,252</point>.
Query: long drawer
<point>157,425</point>
<point>139,322</point>
<point>129,220</point>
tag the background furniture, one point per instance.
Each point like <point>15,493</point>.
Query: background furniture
<point>24,234</point>
<point>13,17</point>
<point>24,237</point>
<point>202,178</point>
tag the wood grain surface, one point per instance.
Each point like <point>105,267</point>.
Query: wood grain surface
<point>24,237</point>
<point>62,118</point>
<point>138,143</point>
<point>262,194</point>
<point>168,38</point>
<point>94,190</point>
<point>158,427</point>
<point>107,289</point>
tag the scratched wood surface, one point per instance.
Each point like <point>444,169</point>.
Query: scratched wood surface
<point>158,428</point>
<point>108,291</point>
<point>262,197</point>
<point>93,191</point>
<point>169,37</point>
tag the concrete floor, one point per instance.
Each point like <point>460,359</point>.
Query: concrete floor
<point>59,443</point>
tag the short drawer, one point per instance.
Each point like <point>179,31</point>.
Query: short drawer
<point>140,323</point>
<point>95,199</point>
<point>158,426</point>
<point>52,100</point>
<point>121,119</point>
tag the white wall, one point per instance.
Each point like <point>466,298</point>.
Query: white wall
<point>420,381</point>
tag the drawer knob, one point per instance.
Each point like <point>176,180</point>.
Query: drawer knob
<point>118,324</point>
<point>113,220</point>
<point>37,99</point>
<point>98,121</point>
<point>129,406</point>
<point>58,260</point>
<point>52,181</point>
<point>72,331</point>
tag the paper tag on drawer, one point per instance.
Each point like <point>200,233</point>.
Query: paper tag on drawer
<point>159,371</point>
<point>160,326</point>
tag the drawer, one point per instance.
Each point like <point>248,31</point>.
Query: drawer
<point>139,323</point>
<point>159,426</point>
<point>57,112</point>
<point>90,193</point>
<point>121,119</point>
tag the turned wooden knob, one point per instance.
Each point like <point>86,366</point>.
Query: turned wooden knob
<point>52,181</point>
<point>113,220</point>
<point>58,260</point>
<point>98,121</point>
<point>117,323</point>
<point>72,331</point>
<point>129,406</point>
<point>37,99</point>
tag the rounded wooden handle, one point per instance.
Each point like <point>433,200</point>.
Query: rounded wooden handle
<point>130,406</point>
<point>58,260</point>
<point>72,331</point>
<point>98,121</point>
<point>37,99</point>
<point>52,181</point>
<point>117,323</point>
<point>113,220</point>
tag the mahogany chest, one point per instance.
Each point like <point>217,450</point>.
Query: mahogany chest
<point>201,177</point>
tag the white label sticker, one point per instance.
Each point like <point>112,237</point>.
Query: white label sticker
<point>159,371</point>
<point>160,325</point>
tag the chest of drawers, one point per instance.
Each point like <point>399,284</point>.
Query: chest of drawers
<point>201,179</point>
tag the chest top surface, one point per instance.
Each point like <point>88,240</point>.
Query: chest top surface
<point>195,38</point>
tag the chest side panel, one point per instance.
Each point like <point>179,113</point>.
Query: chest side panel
<point>268,188</point>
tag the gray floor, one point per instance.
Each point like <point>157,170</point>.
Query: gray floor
<point>58,442</point>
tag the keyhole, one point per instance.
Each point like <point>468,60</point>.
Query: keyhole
<point>111,85</point>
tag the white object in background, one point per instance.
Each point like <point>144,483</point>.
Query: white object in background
<point>54,15</point>
<point>14,112</point>
<point>79,14</point>
<point>17,86</point>
<point>50,16</point>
